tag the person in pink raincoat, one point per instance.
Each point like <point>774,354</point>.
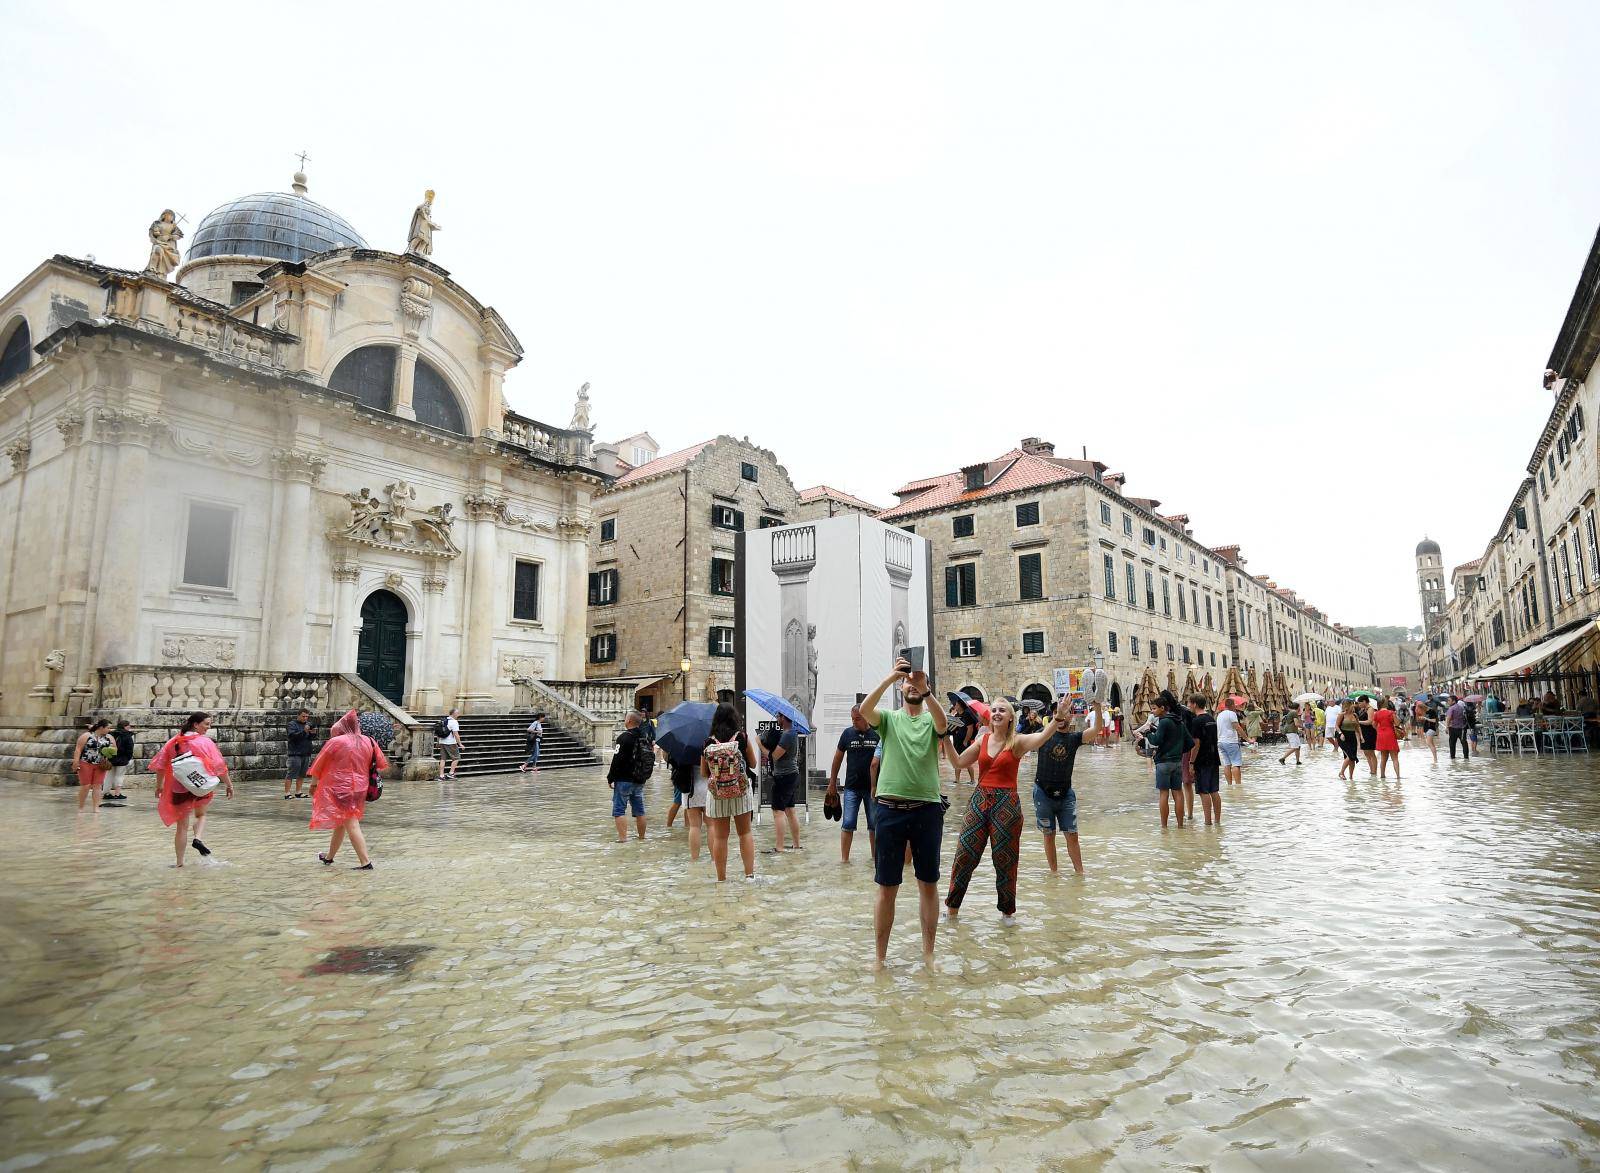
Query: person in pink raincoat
<point>174,804</point>
<point>339,786</point>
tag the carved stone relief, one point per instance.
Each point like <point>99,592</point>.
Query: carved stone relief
<point>19,450</point>
<point>520,666</point>
<point>199,651</point>
<point>398,525</point>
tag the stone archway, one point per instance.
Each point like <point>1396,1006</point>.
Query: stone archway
<point>381,649</point>
<point>1038,692</point>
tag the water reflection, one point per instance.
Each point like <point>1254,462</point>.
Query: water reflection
<point>1391,973</point>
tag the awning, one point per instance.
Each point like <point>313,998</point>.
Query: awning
<point>1513,665</point>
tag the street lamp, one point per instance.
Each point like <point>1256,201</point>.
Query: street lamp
<point>684,665</point>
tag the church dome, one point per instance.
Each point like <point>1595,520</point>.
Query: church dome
<point>275,225</point>
<point>1427,546</point>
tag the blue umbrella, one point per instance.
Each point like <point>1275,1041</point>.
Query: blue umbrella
<point>683,730</point>
<point>778,707</point>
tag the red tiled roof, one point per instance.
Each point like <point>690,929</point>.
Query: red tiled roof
<point>1022,471</point>
<point>818,492</point>
<point>671,462</point>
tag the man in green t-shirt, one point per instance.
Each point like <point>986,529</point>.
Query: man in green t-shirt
<point>909,811</point>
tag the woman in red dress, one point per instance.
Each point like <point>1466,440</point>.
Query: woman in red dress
<point>1388,742</point>
<point>174,804</point>
<point>339,780</point>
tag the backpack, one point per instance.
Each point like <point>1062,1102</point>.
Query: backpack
<point>725,768</point>
<point>441,728</point>
<point>644,759</point>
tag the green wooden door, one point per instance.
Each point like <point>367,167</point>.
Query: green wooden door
<point>381,652</point>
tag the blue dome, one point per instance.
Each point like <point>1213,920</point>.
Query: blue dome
<point>272,224</point>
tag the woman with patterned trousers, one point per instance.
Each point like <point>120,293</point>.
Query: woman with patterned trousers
<point>994,814</point>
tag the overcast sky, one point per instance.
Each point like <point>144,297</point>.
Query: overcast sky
<point>1253,256</point>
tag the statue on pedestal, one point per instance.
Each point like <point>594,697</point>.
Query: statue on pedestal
<point>164,237</point>
<point>580,411</point>
<point>420,238</point>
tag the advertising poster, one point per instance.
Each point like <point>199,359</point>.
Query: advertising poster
<point>824,608</point>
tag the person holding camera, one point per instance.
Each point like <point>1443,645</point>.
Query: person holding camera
<point>910,809</point>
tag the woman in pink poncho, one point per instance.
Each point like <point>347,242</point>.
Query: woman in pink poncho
<point>174,804</point>
<point>339,786</point>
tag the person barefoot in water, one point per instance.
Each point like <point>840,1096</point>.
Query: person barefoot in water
<point>174,803</point>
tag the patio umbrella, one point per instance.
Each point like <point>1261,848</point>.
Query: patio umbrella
<point>683,730</point>
<point>1308,698</point>
<point>778,707</point>
<point>1475,699</point>
<point>960,700</point>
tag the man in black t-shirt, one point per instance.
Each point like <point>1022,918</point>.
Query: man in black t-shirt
<point>856,746</point>
<point>1207,761</point>
<point>1055,803</point>
<point>626,792</point>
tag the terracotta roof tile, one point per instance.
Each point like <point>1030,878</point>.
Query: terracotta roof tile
<point>818,492</point>
<point>671,462</point>
<point>1022,471</point>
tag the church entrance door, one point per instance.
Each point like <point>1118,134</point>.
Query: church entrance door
<point>381,652</point>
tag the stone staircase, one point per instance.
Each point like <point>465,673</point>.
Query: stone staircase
<point>495,743</point>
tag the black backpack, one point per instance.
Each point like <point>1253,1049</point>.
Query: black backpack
<point>644,759</point>
<point>441,728</point>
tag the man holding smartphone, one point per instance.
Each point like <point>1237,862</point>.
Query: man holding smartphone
<point>910,813</point>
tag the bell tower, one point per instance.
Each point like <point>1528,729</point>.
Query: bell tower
<point>1430,583</point>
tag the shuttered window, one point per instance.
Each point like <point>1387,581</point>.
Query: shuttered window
<point>961,526</point>
<point>1028,513</point>
<point>1032,643</point>
<point>1030,577</point>
<point>1110,575</point>
<point>966,649</point>
<point>727,517</point>
<point>603,648</point>
<point>722,576</point>
<point>961,585</point>
<point>720,642</point>
<point>603,588</point>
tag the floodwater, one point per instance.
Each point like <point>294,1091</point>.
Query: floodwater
<point>1400,975</point>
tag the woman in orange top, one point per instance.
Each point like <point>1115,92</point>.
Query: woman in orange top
<point>339,794</point>
<point>994,814</point>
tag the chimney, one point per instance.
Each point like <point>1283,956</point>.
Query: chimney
<point>1116,480</point>
<point>1034,446</point>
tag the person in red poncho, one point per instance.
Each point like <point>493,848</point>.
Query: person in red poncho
<point>339,779</point>
<point>176,805</point>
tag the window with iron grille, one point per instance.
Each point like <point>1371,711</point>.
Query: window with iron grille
<point>525,591</point>
<point>961,585</point>
<point>608,530</point>
<point>1110,575</point>
<point>961,525</point>
<point>1028,513</point>
<point>1030,577</point>
<point>1032,643</point>
<point>721,641</point>
<point>722,576</point>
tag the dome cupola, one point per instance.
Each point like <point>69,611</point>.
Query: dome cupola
<point>1427,546</point>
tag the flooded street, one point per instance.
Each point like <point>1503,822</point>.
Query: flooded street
<point>1387,975</point>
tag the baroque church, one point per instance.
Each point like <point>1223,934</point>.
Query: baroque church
<point>284,455</point>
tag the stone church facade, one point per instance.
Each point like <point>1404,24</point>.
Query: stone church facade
<point>292,456</point>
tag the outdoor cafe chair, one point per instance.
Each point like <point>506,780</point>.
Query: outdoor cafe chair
<point>1553,737</point>
<point>1527,735</point>
<point>1577,740</point>
<point>1502,735</point>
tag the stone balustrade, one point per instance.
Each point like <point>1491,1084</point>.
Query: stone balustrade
<point>562,445</point>
<point>605,698</point>
<point>145,301</point>
<point>589,727</point>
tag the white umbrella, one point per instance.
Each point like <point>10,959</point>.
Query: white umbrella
<point>1307,698</point>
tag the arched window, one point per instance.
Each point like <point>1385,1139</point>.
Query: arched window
<point>368,374</point>
<point>18,349</point>
<point>434,402</point>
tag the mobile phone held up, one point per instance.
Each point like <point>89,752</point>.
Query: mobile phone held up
<point>914,657</point>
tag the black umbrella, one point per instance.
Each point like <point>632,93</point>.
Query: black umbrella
<point>683,730</point>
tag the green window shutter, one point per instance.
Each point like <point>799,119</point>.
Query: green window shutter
<point>955,649</point>
<point>977,646</point>
<point>594,589</point>
<point>952,589</point>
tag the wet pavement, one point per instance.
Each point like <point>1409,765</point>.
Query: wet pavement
<point>1391,975</point>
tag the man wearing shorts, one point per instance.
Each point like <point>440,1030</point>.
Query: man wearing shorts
<point>1229,746</point>
<point>785,782</point>
<point>1055,803</point>
<point>910,814</point>
<point>857,745</point>
<point>450,747</point>
<point>626,793</point>
<point>302,736</point>
<point>1170,740</point>
<point>1207,762</point>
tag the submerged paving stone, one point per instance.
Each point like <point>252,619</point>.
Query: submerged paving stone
<point>1346,974</point>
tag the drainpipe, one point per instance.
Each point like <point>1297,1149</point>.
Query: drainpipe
<point>684,654</point>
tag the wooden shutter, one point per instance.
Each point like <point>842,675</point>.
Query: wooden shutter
<point>952,589</point>
<point>594,589</point>
<point>977,646</point>
<point>955,649</point>
<point>738,519</point>
<point>1031,576</point>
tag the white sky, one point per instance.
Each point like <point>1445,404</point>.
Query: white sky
<point>1250,255</point>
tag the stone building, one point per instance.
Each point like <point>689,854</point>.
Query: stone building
<point>291,460</point>
<point>663,581</point>
<point>821,501</point>
<point>1529,603</point>
<point>1399,666</point>
<point>1044,562</point>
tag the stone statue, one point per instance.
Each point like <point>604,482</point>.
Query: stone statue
<point>434,525</point>
<point>55,660</point>
<point>401,494</point>
<point>580,411</point>
<point>420,240</point>
<point>811,667</point>
<point>366,513</point>
<point>164,237</point>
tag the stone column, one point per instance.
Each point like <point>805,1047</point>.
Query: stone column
<point>476,691</point>
<point>118,586</point>
<point>897,561</point>
<point>405,381</point>
<point>286,625</point>
<point>572,627</point>
<point>427,697</point>
<point>794,553</point>
<point>342,646</point>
